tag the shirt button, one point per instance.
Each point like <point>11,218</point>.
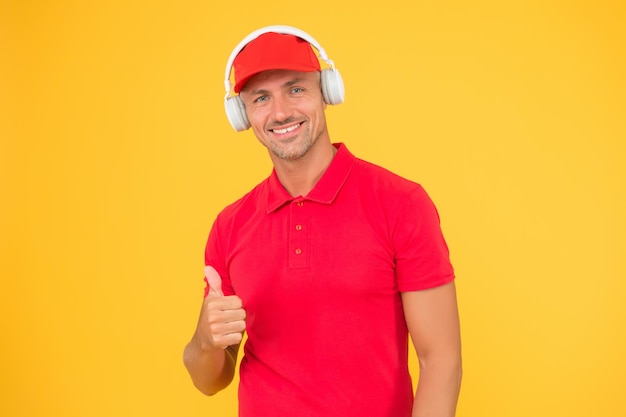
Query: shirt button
<point>298,251</point>
<point>300,203</point>
<point>298,227</point>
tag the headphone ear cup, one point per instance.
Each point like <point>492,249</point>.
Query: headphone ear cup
<point>236,113</point>
<point>332,86</point>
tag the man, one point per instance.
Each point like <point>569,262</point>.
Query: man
<point>328,265</point>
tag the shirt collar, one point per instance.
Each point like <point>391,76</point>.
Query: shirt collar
<point>326,189</point>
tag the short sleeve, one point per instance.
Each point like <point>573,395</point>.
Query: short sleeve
<point>422,257</point>
<point>215,256</point>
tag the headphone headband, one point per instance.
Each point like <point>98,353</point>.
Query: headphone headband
<point>286,30</point>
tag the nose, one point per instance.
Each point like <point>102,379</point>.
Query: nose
<point>281,108</point>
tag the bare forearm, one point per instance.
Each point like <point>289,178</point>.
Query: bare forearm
<point>438,389</point>
<point>211,370</point>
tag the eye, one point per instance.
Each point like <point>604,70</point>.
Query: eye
<point>260,99</point>
<point>296,90</point>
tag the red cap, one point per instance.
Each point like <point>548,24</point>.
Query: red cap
<point>272,51</point>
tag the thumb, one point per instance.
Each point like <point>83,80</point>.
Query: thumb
<point>215,281</point>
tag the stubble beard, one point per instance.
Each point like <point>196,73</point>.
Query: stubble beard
<point>295,149</point>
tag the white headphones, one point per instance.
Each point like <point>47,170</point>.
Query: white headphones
<point>331,81</point>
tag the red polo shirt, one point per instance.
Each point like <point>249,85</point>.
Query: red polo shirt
<point>320,278</point>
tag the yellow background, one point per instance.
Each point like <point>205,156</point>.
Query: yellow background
<point>116,156</point>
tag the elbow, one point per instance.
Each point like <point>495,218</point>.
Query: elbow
<point>450,364</point>
<point>210,372</point>
<point>205,386</point>
<point>199,376</point>
<point>202,379</point>
<point>456,365</point>
<point>452,367</point>
<point>459,372</point>
<point>207,390</point>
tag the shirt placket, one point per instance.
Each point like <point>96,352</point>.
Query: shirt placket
<point>299,234</point>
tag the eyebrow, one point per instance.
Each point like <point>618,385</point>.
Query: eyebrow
<point>287,84</point>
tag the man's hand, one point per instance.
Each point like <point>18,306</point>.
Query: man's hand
<point>222,319</point>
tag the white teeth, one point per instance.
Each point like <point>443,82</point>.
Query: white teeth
<point>289,129</point>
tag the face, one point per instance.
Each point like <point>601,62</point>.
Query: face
<point>286,111</point>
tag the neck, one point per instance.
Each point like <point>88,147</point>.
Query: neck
<point>300,176</point>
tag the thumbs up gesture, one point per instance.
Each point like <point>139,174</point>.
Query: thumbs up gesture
<point>215,281</point>
<point>222,319</point>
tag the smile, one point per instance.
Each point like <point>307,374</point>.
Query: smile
<point>287,129</point>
